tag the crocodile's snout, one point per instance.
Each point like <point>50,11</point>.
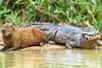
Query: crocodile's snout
<point>92,36</point>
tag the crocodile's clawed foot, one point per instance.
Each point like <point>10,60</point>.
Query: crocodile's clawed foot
<point>68,45</point>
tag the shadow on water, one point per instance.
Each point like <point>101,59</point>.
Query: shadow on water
<point>51,59</point>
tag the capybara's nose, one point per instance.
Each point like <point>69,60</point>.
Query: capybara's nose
<point>3,30</point>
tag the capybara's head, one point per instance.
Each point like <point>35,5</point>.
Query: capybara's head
<point>8,29</point>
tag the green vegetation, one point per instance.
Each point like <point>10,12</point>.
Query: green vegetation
<point>64,11</point>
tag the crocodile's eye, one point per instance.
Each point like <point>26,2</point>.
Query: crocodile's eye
<point>85,36</point>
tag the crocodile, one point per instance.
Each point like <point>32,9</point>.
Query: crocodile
<point>71,36</point>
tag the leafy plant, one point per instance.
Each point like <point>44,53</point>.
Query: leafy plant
<point>59,11</point>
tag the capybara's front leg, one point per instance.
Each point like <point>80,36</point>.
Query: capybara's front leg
<point>13,48</point>
<point>5,48</point>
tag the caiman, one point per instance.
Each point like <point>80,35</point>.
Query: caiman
<point>71,36</point>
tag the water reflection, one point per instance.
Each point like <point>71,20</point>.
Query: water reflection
<point>51,59</point>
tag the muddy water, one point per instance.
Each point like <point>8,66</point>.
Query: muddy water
<point>57,58</point>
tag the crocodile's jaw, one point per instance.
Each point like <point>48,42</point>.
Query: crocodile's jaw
<point>92,37</point>
<point>89,41</point>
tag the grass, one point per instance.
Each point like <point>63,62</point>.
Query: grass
<point>75,12</point>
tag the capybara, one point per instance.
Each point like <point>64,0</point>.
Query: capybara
<point>20,37</point>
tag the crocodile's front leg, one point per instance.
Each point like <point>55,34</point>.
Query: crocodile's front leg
<point>68,44</point>
<point>77,41</point>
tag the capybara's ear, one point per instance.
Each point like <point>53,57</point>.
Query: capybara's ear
<point>13,24</point>
<point>4,18</point>
<point>4,22</point>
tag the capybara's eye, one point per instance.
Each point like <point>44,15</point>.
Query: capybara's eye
<point>3,30</point>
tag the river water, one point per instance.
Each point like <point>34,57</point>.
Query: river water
<point>52,58</point>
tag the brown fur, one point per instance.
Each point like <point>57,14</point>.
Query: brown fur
<point>15,38</point>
